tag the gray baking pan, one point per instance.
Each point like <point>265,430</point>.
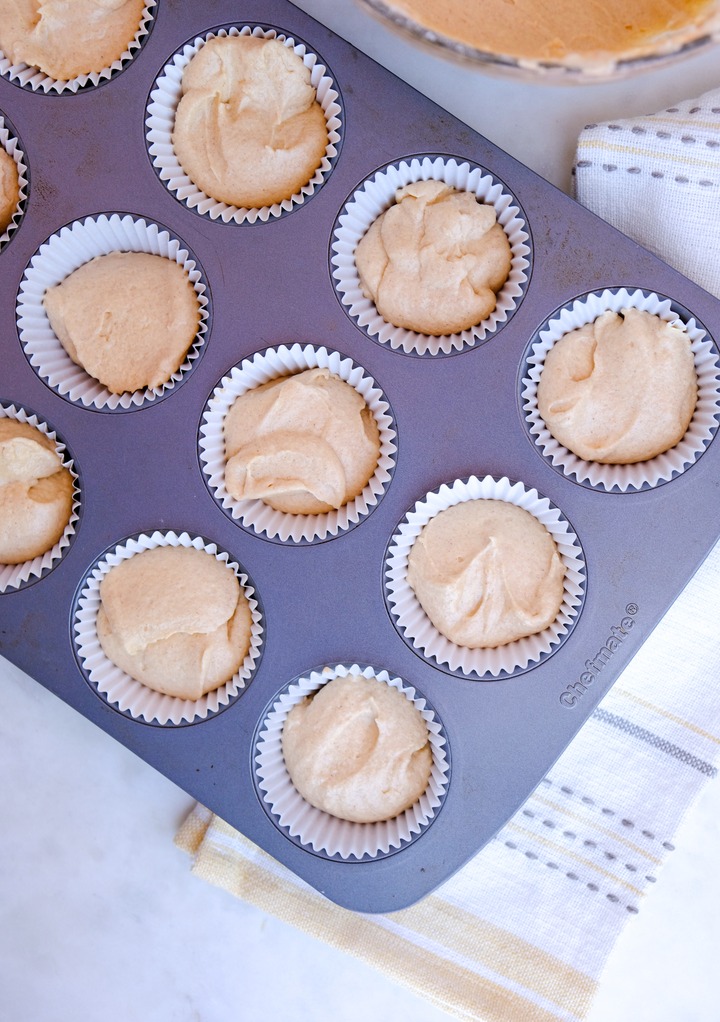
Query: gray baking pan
<point>457,416</point>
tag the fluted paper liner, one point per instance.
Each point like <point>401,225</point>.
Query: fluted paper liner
<point>645,473</point>
<point>373,197</point>
<point>269,365</point>
<point>71,247</point>
<point>317,829</point>
<point>117,687</point>
<point>412,621</point>
<point>10,143</point>
<point>35,79</point>
<point>160,122</point>
<point>13,576</point>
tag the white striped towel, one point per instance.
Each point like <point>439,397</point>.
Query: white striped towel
<point>657,179</point>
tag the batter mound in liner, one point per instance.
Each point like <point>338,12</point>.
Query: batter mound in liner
<point>126,318</point>
<point>249,130</point>
<point>9,189</point>
<point>174,619</point>
<point>68,38</point>
<point>303,444</point>
<point>620,390</point>
<point>435,260</point>
<point>486,573</point>
<point>357,749</point>
<point>36,493</point>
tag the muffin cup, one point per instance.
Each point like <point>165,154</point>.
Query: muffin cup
<point>317,830</point>
<point>71,247</point>
<point>373,197</point>
<point>118,688</point>
<point>160,122</point>
<point>11,145</point>
<point>644,474</point>
<point>35,79</point>
<point>414,624</point>
<point>274,363</point>
<point>14,576</point>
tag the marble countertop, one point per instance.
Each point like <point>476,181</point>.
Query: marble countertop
<point>100,916</point>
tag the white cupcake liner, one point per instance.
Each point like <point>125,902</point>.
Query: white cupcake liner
<point>64,252</point>
<point>373,197</point>
<point>412,621</point>
<point>13,576</point>
<point>269,365</point>
<point>35,79</point>
<point>318,830</point>
<point>117,687</point>
<point>160,122</point>
<point>641,475</point>
<point>11,145</point>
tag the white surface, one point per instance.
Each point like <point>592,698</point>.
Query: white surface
<point>100,917</point>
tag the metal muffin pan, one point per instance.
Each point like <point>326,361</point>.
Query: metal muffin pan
<point>457,415</point>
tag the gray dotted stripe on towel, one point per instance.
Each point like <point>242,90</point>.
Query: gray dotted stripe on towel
<point>641,733</point>
<point>588,843</point>
<point>644,129</point>
<point>606,811</point>
<point>681,179</point>
<point>613,898</point>
<point>686,137</point>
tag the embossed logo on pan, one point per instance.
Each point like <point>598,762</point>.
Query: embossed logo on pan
<point>618,633</point>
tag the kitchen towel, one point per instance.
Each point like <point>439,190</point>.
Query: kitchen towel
<point>657,179</point>
<point>523,930</point>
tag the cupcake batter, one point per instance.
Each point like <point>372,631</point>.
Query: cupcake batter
<point>434,261</point>
<point>36,492</point>
<point>304,444</point>
<point>358,749</point>
<point>9,189</point>
<point>67,38</point>
<point>175,619</point>
<point>620,390</point>
<point>127,318</point>
<point>249,130</point>
<point>486,573</point>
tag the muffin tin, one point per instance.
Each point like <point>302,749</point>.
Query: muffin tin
<point>458,416</point>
